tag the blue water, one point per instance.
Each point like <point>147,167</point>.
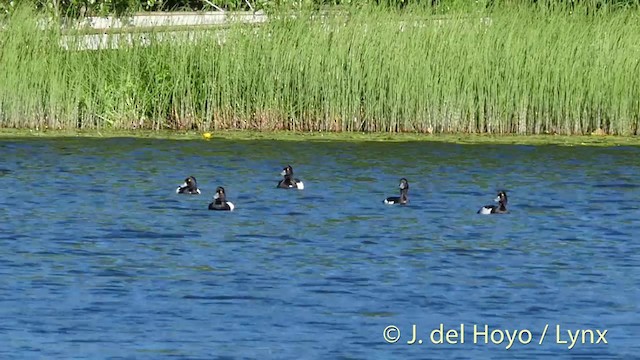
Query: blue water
<point>100,259</point>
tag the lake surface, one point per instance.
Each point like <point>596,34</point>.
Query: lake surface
<point>101,259</point>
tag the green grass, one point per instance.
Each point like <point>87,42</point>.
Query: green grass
<point>527,72</point>
<point>241,135</point>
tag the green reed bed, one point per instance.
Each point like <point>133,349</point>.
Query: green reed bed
<point>522,71</point>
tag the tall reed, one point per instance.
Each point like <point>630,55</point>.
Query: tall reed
<point>518,71</point>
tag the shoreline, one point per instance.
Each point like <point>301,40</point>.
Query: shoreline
<point>244,135</point>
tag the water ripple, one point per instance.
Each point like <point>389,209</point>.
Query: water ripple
<point>101,256</point>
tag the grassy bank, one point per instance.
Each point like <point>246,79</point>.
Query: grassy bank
<point>486,139</point>
<point>522,72</point>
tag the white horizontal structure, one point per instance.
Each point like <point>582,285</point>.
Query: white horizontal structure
<point>125,39</point>
<point>121,32</point>
<point>170,19</point>
<point>143,29</point>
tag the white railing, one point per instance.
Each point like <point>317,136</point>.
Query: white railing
<point>112,32</point>
<point>167,19</point>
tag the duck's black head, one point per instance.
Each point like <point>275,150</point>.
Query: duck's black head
<point>220,194</point>
<point>287,171</point>
<point>501,198</point>
<point>404,184</point>
<point>190,186</point>
<point>404,191</point>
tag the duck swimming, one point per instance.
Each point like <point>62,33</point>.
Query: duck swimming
<point>403,199</point>
<point>501,208</point>
<point>289,182</point>
<point>190,186</point>
<point>220,201</point>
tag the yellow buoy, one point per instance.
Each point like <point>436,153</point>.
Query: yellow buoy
<point>206,135</point>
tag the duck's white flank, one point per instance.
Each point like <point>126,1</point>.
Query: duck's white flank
<point>184,185</point>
